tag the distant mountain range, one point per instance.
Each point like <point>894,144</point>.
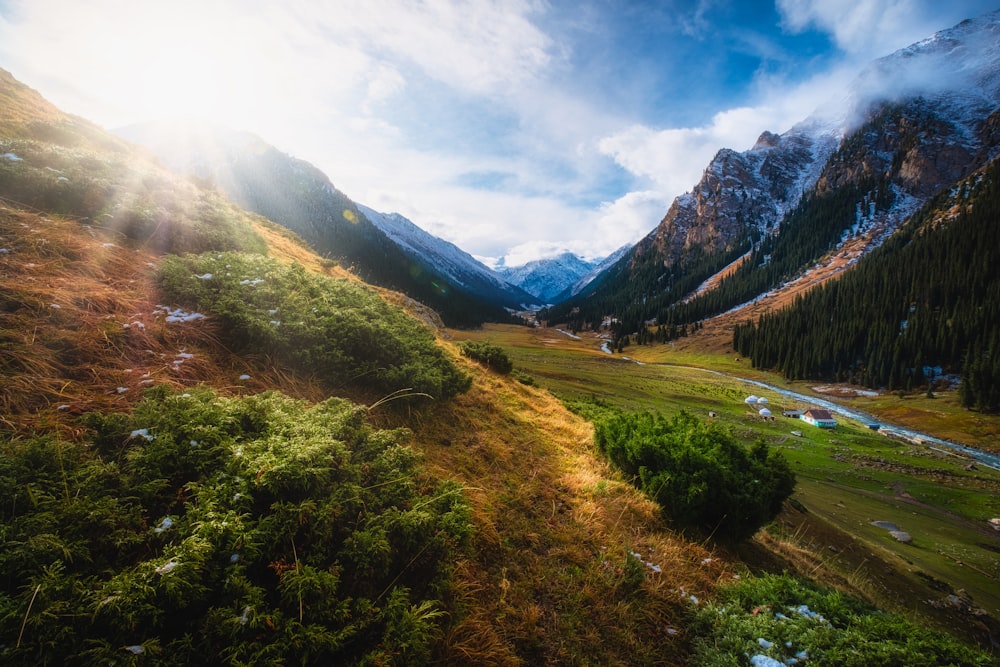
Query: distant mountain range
<point>299,196</point>
<point>548,278</point>
<point>461,268</point>
<point>393,253</point>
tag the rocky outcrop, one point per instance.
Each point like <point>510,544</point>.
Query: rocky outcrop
<point>741,193</point>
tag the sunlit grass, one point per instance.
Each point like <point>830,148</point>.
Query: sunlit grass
<point>555,579</point>
<point>82,330</point>
<point>847,477</point>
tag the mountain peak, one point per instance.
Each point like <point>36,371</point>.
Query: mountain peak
<point>959,62</point>
<point>549,277</point>
<point>767,139</point>
<point>910,124</point>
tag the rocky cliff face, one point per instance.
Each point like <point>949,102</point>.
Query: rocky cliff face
<point>743,193</point>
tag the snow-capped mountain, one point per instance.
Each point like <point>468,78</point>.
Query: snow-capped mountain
<point>945,87</point>
<point>909,125</point>
<point>450,260</point>
<point>548,278</point>
<point>588,279</point>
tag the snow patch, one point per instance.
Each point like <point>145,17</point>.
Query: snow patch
<point>177,314</point>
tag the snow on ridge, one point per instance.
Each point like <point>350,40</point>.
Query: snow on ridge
<point>548,278</point>
<point>454,263</point>
<point>443,255</point>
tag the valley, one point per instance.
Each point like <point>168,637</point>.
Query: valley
<point>848,477</point>
<point>245,418</point>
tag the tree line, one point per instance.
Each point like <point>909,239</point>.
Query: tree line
<point>922,306</point>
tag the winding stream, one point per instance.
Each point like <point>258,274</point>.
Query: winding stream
<point>984,458</point>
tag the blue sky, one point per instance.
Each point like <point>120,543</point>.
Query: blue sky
<point>513,128</point>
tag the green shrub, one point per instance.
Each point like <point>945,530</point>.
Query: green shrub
<point>234,531</point>
<point>338,329</point>
<point>523,378</point>
<point>794,622</point>
<point>491,356</point>
<point>699,474</point>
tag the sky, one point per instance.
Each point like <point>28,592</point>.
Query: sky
<point>516,129</point>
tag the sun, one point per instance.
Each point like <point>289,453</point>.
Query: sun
<point>193,69</point>
<point>180,59</point>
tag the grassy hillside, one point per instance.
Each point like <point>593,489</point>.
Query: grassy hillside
<point>102,357</point>
<point>847,478</point>
<point>549,577</point>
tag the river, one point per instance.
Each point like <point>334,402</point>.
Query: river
<point>985,458</point>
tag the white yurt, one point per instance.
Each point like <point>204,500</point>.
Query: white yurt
<point>750,400</point>
<point>762,401</point>
<point>764,412</point>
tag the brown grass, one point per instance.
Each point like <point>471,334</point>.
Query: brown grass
<point>716,336</point>
<point>552,579</point>
<point>81,330</point>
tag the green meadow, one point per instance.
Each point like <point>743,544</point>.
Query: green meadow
<point>848,477</point>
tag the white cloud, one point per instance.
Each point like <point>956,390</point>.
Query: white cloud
<point>480,47</point>
<point>345,84</point>
<point>385,83</point>
<point>601,232</point>
<point>871,28</point>
<point>626,220</point>
<point>852,23</point>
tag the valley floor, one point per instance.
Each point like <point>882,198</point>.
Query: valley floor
<point>849,478</point>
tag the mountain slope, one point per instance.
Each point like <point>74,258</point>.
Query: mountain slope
<point>921,307</point>
<point>912,123</point>
<point>451,261</point>
<point>299,196</point>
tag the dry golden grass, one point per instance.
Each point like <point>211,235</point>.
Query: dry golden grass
<point>21,107</point>
<point>81,329</point>
<point>285,246</point>
<point>716,334</point>
<point>552,579</point>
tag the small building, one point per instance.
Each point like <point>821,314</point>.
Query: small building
<point>794,414</point>
<point>819,417</point>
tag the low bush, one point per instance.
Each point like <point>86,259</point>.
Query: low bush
<point>489,355</point>
<point>238,531</point>
<point>699,474</point>
<point>340,330</point>
<point>782,620</point>
<point>524,378</point>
